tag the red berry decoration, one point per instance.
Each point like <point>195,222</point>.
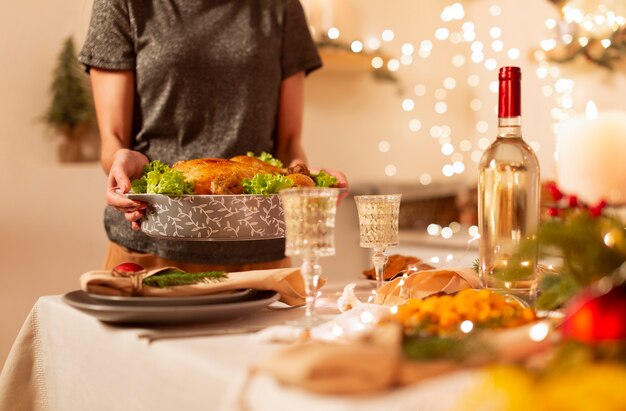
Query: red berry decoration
<point>572,201</point>
<point>592,319</point>
<point>596,210</point>
<point>124,268</point>
<point>554,191</point>
<point>553,212</point>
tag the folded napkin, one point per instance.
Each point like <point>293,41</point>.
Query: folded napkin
<point>372,364</point>
<point>422,284</point>
<point>286,281</point>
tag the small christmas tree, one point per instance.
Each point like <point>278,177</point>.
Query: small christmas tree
<point>71,109</point>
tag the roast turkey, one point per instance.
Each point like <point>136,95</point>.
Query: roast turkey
<point>221,176</point>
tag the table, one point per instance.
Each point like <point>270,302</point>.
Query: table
<point>66,360</point>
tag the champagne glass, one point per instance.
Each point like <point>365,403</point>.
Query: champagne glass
<point>309,229</point>
<point>378,227</point>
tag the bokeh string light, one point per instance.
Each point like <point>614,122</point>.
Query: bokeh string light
<point>485,48</point>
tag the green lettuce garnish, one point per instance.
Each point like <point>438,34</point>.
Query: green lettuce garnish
<point>267,157</point>
<point>264,183</point>
<point>159,178</point>
<point>323,179</point>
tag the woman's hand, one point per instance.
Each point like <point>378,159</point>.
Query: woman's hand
<point>127,164</point>
<point>342,181</point>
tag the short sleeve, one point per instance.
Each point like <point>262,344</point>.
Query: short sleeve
<point>109,43</point>
<point>299,52</point>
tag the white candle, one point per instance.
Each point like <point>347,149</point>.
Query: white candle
<point>591,156</point>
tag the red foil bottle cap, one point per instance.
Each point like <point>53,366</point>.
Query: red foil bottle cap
<point>509,98</point>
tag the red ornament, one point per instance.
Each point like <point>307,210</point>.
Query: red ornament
<point>127,268</point>
<point>591,318</point>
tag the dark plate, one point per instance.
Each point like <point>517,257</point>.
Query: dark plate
<point>145,314</point>
<point>221,298</point>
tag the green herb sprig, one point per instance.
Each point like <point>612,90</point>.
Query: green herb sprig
<point>174,277</point>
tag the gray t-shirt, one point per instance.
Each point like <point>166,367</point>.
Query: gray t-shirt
<point>207,76</point>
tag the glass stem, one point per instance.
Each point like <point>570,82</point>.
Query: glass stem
<point>379,258</point>
<point>311,271</point>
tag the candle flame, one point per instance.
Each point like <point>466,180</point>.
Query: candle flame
<point>592,110</point>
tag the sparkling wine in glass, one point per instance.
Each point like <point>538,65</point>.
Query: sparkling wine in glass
<point>309,229</point>
<point>378,227</point>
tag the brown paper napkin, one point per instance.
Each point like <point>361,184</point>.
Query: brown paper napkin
<point>286,281</point>
<point>360,367</point>
<point>422,284</point>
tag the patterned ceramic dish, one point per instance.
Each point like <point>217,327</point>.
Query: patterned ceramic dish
<point>212,217</point>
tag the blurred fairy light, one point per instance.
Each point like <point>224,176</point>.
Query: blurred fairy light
<point>477,57</point>
<point>333,33</point>
<point>393,65</point>
<point>482,126</point>
<point>444,139</point>
<point>442,33</point>
<point>495,10</point>
<point>447,149</point>
<point>390,170</point>
<point>497,45</point>
<point>458,60</point>
<point>449,83</point>
<point>426,179</point>
<point>366,317</point>
<point>433,229</point>
<point>408,104</point>
<point>408,49</point>
<point>473,230</point>
<point>473,80</point>
<point>467,326</point>
<point>446,232</point>
<point>452,12</point>
<point>490,64</point>
<point>440,94</point>
<point>337,330</point>
<point>415,125</point>
<point>441,107</point>
<point>513,53</point>
<point>447,170</point>
<point>493,86</point>
<point>539,332</point>
<point>377,62</point>
<point>476,104</point>
<point>406,59</point>
<point>495,32</point>
<point>356,46</point>
<point>373,43</point>
<point>388,35</point>
<point>420,90</point>
<point>465,145</point>
<point>384,146</point>
<point>483,143</point>
<point>435,131</point>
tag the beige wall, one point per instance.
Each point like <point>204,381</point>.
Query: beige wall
<point>50,213</point>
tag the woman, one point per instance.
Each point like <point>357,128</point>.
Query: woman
<point>181,79</point>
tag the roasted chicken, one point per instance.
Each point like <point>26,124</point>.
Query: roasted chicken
<point>221,176</point>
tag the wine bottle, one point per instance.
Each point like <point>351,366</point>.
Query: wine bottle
<point>509,200</point>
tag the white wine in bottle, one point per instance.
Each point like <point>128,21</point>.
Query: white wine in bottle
<point>509,200</point>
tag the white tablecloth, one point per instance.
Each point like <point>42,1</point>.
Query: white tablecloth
<point>66,360</point>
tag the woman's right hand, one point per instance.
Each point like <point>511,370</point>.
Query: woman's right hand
<point>127,164</point>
